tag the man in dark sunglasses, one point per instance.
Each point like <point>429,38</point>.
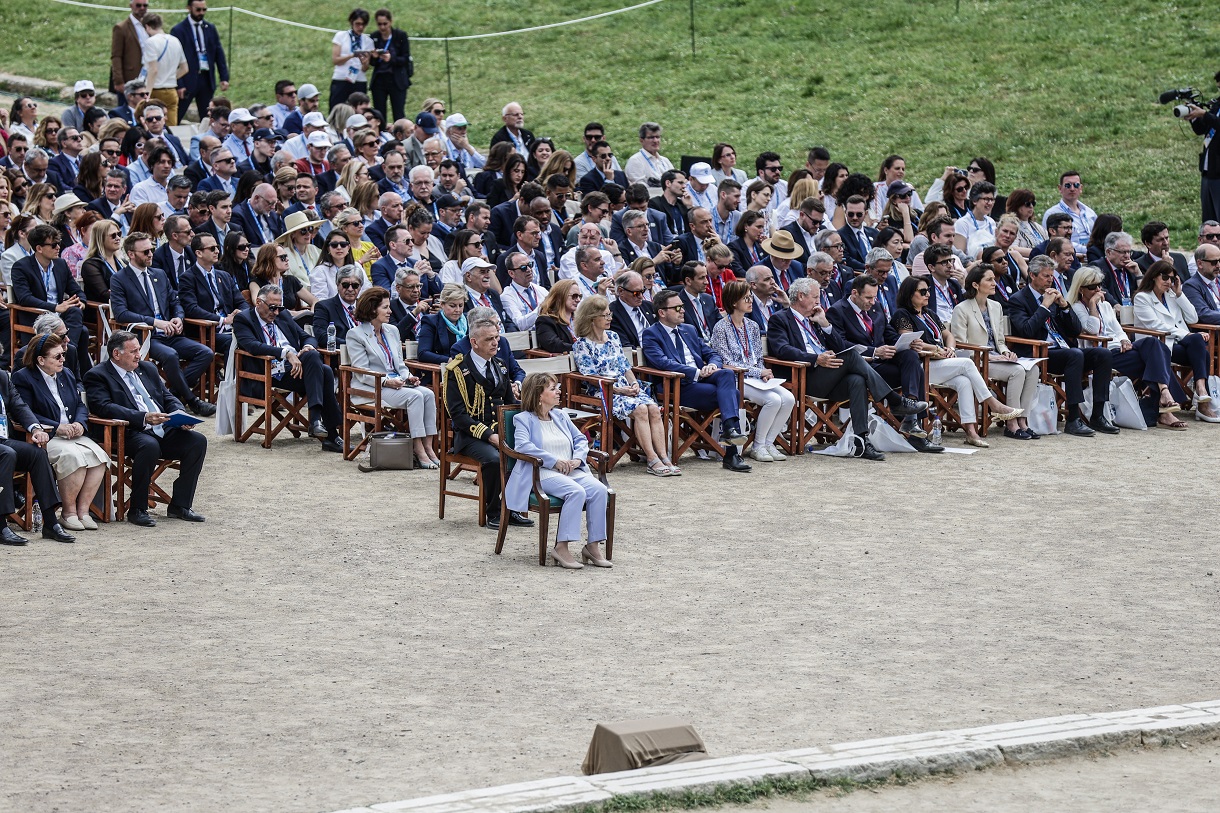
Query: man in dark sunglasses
<point>43,280</point>
<point>1069,203</point>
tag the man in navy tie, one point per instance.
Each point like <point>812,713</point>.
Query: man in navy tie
<point>210,293</point>
<point>673,346</point>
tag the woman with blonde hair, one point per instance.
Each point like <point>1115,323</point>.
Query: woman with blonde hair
<point>353,174</point>
<point>40,202</point>
<point>104,258</point>
<point>560,163</point>
<point>787,210</point>
<point>364,199</point>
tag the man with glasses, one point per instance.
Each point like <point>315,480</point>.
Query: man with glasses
<point>1203,287</point>
<point>1209,233</point>
<point>422,182</point>
<point>210,293</point>
<point>1121,272</point>
<point>200,169</point>
<point>218,131</point>
<point>770,169</point>
<point>1070,204</point>
<point>175,256</point>
<point>476,277</point>
<point>18,146</point>
<point>241,126</point>
<point>603,169</point>
<point>587,160</point>
<point>205,59</point>
<point>111,204</point>
<point>513,131</point>
<point>522,297</point>
<point>810,218</point>
<point>127,40</point>
<point>673,346</point>
<point>638,199</point>
<point>66,165</point>
<point>134,91</point>
<point>42,280</point>
<point>157,124</point>
<point>857,238</point>
<point>257,216</point>
<point>285,103</point>
<point>340,309</point>
<point>141,294</point>
<point>408,308</point>
<point>84,97</point>
<point>648,165</point>
<point>224,172</point>
<point>630,315</point>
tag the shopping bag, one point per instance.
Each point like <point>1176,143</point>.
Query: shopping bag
<point>1044,413</point>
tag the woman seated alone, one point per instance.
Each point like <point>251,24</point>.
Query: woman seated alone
<point>979,320</point>
<point>1145,360</point>
<point>1161,305</point>
<point>545,431</point>
<point>946,369</point>
<point>374,344</point>
<point>598,351</point>
<point>53,396</point>
<point>738,341</point>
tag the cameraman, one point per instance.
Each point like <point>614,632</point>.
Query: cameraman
<point>1206,123</point>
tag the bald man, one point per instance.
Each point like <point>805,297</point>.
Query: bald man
<point>257,216</point>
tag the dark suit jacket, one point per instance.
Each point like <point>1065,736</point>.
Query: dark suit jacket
<point>503,217</point>
<point>502,135</point>
<point>796,270</point>
<point>1027,318</point>
<point>1041,249</point>
<point>658,229</point>
<point>196,173</point>
<point>249,335</point>
<point>503,352</point>
<point>852,253</point>
<point>61,167</point>
<point>659,351</point>
<point>211,183</point>
<point>405,320</point>
<point>1114,292</point>
<point>630,255</point>
<point>192,79</point>
<point>798,236</point>
<point>31,292</point>
<point>435,340</point>
<point>1144,261</point>
<point>244,216</point>
<point>784,339</point>
<point>196,297</point>
<point>843,316</point>
<point>327,311</point>
<point>163,258</point>
<point>125,113</point>
<point>1202,294</point>
<point>552,335</point>
<point>710,313</point>
<point>34,391</point>
<point>497,305</point>
<point>110,398</point>
<point>376,232</point>
<point>401,66</point>
<point>129,299</point>
<point>622,323</point>
<point>594,180</point>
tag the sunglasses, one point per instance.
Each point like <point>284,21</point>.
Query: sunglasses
<point>1162,275</point>
<point>1092,287</point>
<point>350,286</point>
<point>338,245</point>
<point>974,169</point>
<point>154,118</point>
<point>56,356</point>
<point>273,308</point>
<point>525,267</point>
<point>1075,185</point>
<point>283,257</point>
<point>678,308</point>
<point>243,246</point>
<point>921,291</point>
<point>854,215</point>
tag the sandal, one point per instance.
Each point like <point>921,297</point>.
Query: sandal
<point>1169,406</point>
<point>657,468</point>
<point>674,471</point>
<point>1174,424</point>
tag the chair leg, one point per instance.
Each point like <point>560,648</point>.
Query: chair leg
<point>544,525</point>
<point>500,534</point>
<point>610,526</point>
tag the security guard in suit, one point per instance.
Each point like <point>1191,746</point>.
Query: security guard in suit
<point>475,387</point>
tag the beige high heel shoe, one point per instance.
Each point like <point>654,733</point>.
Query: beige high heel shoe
<point>564,559</point>
<point>591,554</point>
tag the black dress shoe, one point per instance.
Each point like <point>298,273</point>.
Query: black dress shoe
<point>1020,434</point>
<point>8,537</point>
<point>1103,424</point>
<point>332,445</point>
<point>925,446</point>
<point>141,518</point>
<point>317,429</point>
<point>869,451</point>
<point>1077,426</point>
<point>56,531</point>
<point>202,408</point>
<point>901,405</point>
<point>733,437</point>
<point>519,519</point>
<point>733,462</point>
<point>1032,434</point>
<point>187,514</point>
<point>911,428</point>
<point>493,521</point>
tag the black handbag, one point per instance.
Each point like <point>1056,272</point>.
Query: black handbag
<point>389,451</point>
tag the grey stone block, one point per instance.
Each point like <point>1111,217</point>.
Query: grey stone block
<point>704,775</point>
<point>558,793</point>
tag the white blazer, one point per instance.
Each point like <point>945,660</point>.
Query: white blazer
<point>968,325</point>
<point>365,352</point>
<point>1106,324</point>
<point>1172,317</point>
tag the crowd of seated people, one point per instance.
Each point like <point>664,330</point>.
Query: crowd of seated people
<point>409,232</point>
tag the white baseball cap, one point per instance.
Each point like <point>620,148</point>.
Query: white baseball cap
<point>356,121</point>
<point>82,86</point>
<point>240,114</point>
<point>702,172</point>
<point>314,119</point>
<point>319,140</point>
<point>307,92</point>
<point>456,120</point>
<point>472,263</point>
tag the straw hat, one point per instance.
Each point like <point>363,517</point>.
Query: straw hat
<point>782,245</point>
<point>65,202</point>
<point>295,222</point>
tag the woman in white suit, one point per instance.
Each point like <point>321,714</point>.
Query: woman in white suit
<point>375,345</point>
<point>1145,360</point>
<point>1161,305</point>
<point>546,432</point>
<point>979,320</point>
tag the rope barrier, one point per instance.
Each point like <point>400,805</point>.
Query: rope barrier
<point>240,10</point>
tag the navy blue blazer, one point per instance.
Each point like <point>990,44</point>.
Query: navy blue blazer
<point>185,33</point>
<point>196,296</point>
<point>36,394</point>
<point>1202,294</point>
<point>244,216</point>
<point>594,180</point>
<point>435,340</point>
<point>661,353</point>
<point>796,270</point>
<point>61,167</point>
<point>327,311</point>
<point>503,216</point>
<point>503,353</point>
<point>784,339</point>
<point>1041,249</point>
<point>1028,318</point>
<point>30,291</point>
<point>498,306</point>
<point>1114,292</point>
<point>658,229</point>
<point>853,254</point>
<point>125,113</point>
<point>163,259</point>
<point>843,316</point>
<point>249,335</point>
<point>129,299</point>
<point>798,236</point>
<point>212,183</point>
<point>710,313</point>
<point>405,320</point>
<point>110,398</point>
<point>376,233</point>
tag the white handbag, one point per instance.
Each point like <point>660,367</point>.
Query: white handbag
<point>1044,413</point>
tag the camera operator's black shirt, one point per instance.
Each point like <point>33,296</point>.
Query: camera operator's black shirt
<point>1208,126</point>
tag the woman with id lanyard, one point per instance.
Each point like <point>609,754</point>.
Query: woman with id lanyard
<point>350,52</point>
<point>738,341</point>
<point>374,344</point>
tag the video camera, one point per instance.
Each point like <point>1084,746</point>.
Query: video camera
<point>1187,95</point>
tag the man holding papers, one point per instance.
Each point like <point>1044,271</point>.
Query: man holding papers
<point>802,332</point>
<point>125,388</point>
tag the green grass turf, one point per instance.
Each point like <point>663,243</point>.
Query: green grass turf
<point>1037,87</point>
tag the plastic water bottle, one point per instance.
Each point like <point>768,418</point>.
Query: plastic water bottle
<point>36,521</point>
<point>937,429</point>
<point>332,341</point>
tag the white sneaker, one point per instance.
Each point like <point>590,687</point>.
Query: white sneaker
<point>775,453</point>
<point>760,454</point>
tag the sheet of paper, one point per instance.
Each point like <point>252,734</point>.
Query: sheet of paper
<point>905,340</point>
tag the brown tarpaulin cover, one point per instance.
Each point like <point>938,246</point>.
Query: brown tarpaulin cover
<point>635,744</point>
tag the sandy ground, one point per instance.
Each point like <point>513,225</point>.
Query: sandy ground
<point>1164,779</point>
<point>325,641</point>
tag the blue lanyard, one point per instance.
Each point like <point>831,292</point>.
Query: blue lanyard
<point>746,347</point>
<point>813,339</point>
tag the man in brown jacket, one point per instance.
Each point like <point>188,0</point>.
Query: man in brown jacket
<point>126,48</point>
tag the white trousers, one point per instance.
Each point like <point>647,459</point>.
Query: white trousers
<point>1020,383</point>
<point>776,406</point>
<point>580,491</point>
<point>420,404</point>
<point>965,378</point>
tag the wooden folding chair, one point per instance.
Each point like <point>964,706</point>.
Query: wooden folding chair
<point>944,399</point>
<point>276,410</point>
<point>814,420</point>
<point>453,464</point>
<point>372,415</point>
<point>539,502</point>
<point>116,484</point>
<point>1184,373</point>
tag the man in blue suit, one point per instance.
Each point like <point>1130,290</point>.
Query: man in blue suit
<point>603,171</point>
<point>209,292</point>
<point>257,216</point>
<point>857,238</point>
<point>674,347</point>
<point>141,294</point>
<point>204,59</point>
<point>1203,288</point>
<point>42,280</point>
<point>340,309</point>
<point>699,307</point>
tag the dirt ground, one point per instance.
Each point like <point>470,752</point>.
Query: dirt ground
<point>1163,779</point>
<point>325,641</point>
